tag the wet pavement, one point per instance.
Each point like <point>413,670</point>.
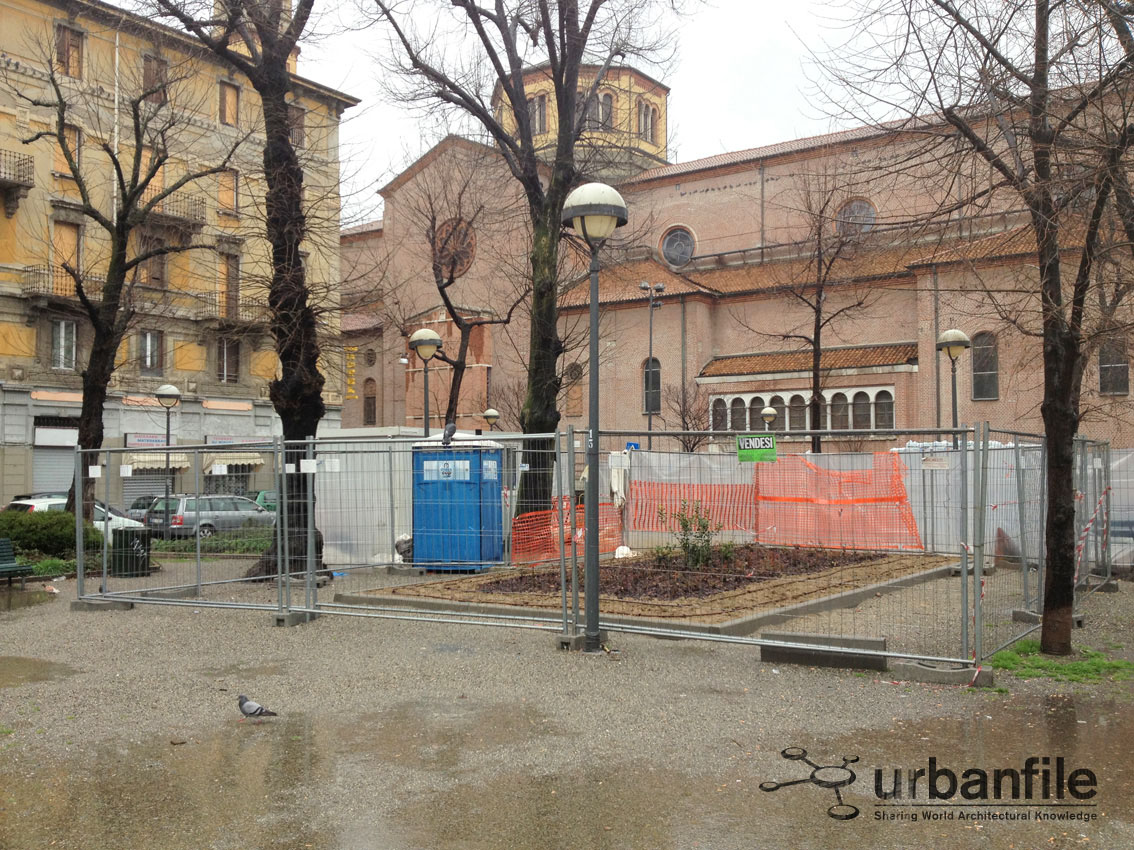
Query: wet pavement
<point>477,774</point>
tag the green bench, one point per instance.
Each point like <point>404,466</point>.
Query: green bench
<point>8,566</point>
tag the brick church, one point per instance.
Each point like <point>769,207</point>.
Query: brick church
<point>734,261</point>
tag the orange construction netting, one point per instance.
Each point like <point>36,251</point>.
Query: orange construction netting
<point>537,536</point>
<point>731,506</point>
<point>802,504</point>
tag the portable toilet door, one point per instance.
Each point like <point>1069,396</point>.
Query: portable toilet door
<point>456,507</point>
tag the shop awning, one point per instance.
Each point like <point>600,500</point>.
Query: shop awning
<point>244,458</point>
<point>157,460</point>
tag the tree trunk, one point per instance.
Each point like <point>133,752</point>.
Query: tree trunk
<point>458,377</point>
<point>540,414</point>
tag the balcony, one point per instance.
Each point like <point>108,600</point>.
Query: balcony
<point>179,209</point>
<point>17,176</point>
<point>53,282</point>
<point>243,309</point>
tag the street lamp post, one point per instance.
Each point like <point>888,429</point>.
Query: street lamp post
<point>426,343</point>
<point>593,210</point>
<point>168,396</point>
<point>490,416</point>
<point>768,414</point>
<point>953,342</point>
<point>652,292</point>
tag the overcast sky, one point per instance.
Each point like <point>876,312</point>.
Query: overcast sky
<point>739,82</point>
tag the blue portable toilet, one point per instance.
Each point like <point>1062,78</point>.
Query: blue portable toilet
<point>457,505</point>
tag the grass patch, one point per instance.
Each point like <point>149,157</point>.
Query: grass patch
<point>1025,662</point>
<point>245,541</point>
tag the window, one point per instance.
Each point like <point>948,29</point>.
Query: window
<point>738,415</point>
<point>1114,368</point>
<point>228,191</point>
<point>840,412</point>
<point>371,357</point>
<point>63,344</point>
<point>647,119</point>
<point>72,138</point>
<point>854,217</point>
<point>777,404</point>
<point>677,246</point>
<point>797,414</point>
<point>155,77</point>
<point>68,51</point>
<point>296,118</point>
<point>720,415</point>
<point>592,119</point>
<point>370,402</point>
<point>152,271</point>
<point>651,386</point>
<point>606,112</point>
<point>537,113</point>
<point>65,236</point>
<point>884,410</point>
<point>157,182</point>
<point>986,367</point>
<point>229,110</point>
<point>228,360</point>
<point>152,344</point>
<point>860,412</point>
<point>228,286</point>
<point>754,408</point>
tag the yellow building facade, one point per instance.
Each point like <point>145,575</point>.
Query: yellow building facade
<point>199,313</point>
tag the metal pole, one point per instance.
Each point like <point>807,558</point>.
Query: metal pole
<point>953,364</point>
<point>650,372</point>
<point>165,533</point>
<point>965,548</point>
<point>574,544</point>
<point>80,561</point>
<point>1020,505</point>
<point>197,496</point>
<point>979,538</point>
<point>425,364</point>
<point>309,598</point>
<point>592,641</point>
<point>561,518</point>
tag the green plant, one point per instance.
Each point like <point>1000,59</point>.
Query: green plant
<point>728,551</point>
<point>247,541</point>
<point>51,533</point>
<point>1025,662</point>
<point>54,567</point>
<point>694,532</point>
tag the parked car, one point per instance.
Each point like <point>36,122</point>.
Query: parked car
<point>267,499</point>
<point>117,518</point>
<point>189,514</point>
<point>137,508</point>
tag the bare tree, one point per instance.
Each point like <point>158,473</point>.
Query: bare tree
<point>1040,93</point>
<point>159,132</point>
<point>258,39</point>
<point>504,40</point>
<point>687,409</point>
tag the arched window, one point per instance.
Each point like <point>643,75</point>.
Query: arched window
<point>1114,367</point>
<point>720,415</point>
<point>654,126</point>
<point>777,403</point>
<point>754,407</point>
<point>840,412</point>
<point>854,217</point>
<point>370,402</point>
<point>651,386</point>
<point>738,420</point>
<point>986,367</point>
<point>860,412</point>
<point>606,112</point>
<point>647,117</point>
<point>677,246</point>
<point>884,410</point>
<point>797,414</point>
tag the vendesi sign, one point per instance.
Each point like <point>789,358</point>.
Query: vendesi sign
<point>756,448</point>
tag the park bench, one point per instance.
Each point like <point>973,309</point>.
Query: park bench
<point>8,566</point>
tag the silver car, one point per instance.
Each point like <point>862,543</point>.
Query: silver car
<point>206,515</point>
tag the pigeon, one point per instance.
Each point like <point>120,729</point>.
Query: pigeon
<point>253,709</point>
<point>447,436</point>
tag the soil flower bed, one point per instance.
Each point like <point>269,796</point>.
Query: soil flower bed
<point>751,579</point>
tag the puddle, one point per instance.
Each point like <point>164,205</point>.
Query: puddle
<point>16,670</point>
<point>460,775</point>
<point>12,598</point>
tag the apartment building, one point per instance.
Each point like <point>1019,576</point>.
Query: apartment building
<point>198,306</point>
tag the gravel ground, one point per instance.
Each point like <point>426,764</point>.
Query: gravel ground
<point>409,710</point>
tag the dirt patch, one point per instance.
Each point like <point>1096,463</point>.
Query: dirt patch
<point>755,579</point>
